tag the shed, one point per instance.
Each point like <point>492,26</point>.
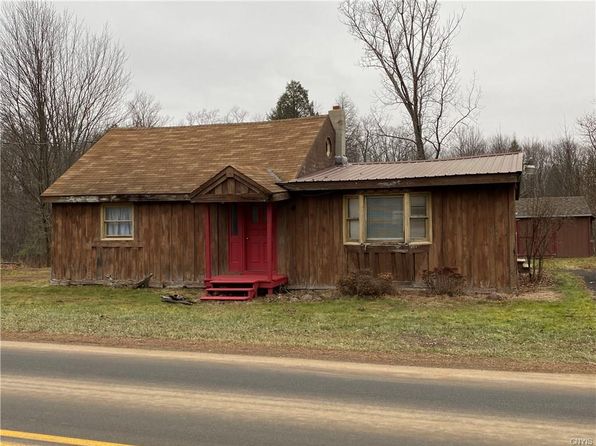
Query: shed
<point>572,221</point>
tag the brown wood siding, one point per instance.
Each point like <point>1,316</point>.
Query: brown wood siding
<point>168,242</point>
<point>572,239</point>
<point>473,230</point>
<point>310,240</point>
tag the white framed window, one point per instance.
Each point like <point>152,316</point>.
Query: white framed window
<point>400,218</point>
<point>117,221</point>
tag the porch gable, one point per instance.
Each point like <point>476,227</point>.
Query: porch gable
<point>230,185</point>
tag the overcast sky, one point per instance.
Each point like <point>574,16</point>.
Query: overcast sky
<point>534,61</point>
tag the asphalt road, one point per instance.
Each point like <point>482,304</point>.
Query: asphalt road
<point>143,397</point>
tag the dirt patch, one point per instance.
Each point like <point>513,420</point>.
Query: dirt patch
<point>412,359</point>
<point>542,295</point>
<point>303,296</point>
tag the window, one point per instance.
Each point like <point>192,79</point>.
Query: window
<point>328,147</point>
<point>117,221</point>
<point>379,218</point>
<point>419,228</point>
<point>353,219</point>
<point>234,219</point>
<point>385,218</point>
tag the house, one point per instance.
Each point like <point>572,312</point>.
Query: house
<point>570,219</point>
<point>243,207</point>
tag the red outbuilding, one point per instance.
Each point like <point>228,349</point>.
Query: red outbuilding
<point>572,229</point>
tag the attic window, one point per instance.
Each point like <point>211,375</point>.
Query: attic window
<point>328,147</point>
<point>117,221</point>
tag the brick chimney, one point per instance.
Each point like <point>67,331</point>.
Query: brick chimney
<point>338,120</point>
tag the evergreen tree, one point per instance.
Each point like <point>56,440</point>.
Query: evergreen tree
<point>514,147</point>
<point>293,103</point>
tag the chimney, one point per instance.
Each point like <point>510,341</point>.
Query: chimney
<point>338,120</point>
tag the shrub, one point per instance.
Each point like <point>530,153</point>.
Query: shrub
<point>444,280</point>
<point>362,283</point>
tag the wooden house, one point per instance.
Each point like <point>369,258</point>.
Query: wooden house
<point>571,225</point>
<point>243,207</point>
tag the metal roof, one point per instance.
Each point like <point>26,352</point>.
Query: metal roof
<point>504,163</point>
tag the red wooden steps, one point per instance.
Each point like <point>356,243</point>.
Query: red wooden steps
<point>231,288</point>
<point>218,297</point>
<point>240,286</point>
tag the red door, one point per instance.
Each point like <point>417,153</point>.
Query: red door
<point>236,237</point>
<point>256,238</point>
<point>248,238</point>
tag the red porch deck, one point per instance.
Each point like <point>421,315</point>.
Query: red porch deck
<point>241,286</point>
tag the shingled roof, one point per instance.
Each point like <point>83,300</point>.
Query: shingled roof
<point>562,206</point>
<point>177,160</point>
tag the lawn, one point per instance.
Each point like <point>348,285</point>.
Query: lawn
<point>517,332</point>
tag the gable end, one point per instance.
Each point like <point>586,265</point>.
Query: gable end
<point>230,184</point>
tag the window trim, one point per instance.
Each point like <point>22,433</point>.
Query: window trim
<point>406,215</point>
<point>103,222</point>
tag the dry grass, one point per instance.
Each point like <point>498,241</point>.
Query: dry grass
<point>535,328</point>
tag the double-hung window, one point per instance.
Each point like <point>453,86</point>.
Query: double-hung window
<point>117,222</point>
<point>352,213</point>
<point>402,218</point>
<point>419,217</point>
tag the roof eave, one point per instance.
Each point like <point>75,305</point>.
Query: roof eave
<point>107,198</point>
<point>459,180</point>
<point>556,216</point>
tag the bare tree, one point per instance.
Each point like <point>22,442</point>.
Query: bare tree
<point>236,115</point>
<point>366,138</point>
<point>61,87</point>
<point>539,182</point>
<point>587,127</point>
<point>144,111</point>
<point>213,116</point>
<point>352,126</point>
<point>538,233</point>
<point>203,117</point>
<point>406,42</point>
<point>566,167</point>
<point>500,143</point>
<point>470,142</point>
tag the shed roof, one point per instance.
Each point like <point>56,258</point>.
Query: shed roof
<point>177,160</point>
<point>506,163</point>
<point>562,206</point>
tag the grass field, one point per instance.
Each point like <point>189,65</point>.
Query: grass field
<point>524,330</point>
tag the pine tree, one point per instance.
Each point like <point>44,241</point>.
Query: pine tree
<point>514,147</point>
<point>293,103</point>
